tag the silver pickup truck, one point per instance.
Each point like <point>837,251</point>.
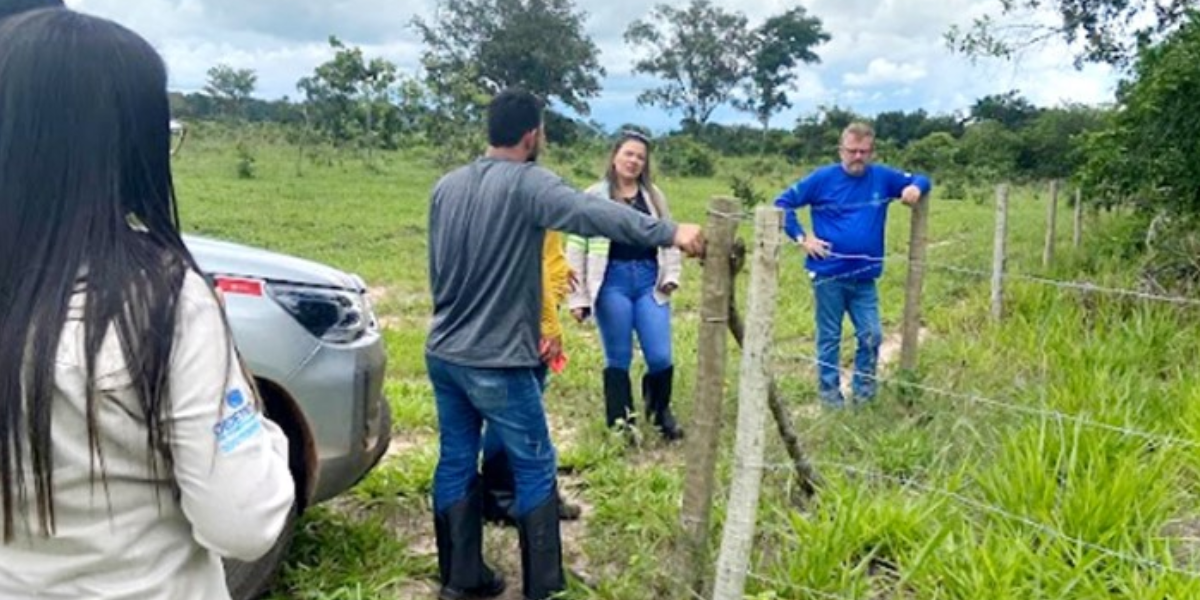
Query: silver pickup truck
<point>307,333</point>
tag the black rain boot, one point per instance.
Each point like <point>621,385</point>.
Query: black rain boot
<point>541,551</point>
<point>618,397</point>
<point>462,571</point>
<point>656,389</point>
<point>499,492</point>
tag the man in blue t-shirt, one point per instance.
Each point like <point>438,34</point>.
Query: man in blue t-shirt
<point>848,203</point>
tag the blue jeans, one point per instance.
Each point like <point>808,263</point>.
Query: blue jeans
<point>493,444</point>
<point>510,402</point>
<point>626,304</point>
<point>835,298</point>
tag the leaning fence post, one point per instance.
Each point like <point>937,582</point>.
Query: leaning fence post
<point>704,434</point>
<point>1051,225</point>
<point>753,388</point>
<point>911,328</point>
<point>998,251</point>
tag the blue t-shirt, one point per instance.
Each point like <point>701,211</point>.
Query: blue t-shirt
<point>848,212</point>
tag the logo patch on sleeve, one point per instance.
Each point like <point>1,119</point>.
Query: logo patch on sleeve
<point>238,426</point>
<point>235,399</point>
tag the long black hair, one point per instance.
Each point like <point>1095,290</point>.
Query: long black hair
<point>87,206</point>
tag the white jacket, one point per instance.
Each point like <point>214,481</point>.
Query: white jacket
<point>588,257</point>
<point>154,535</point>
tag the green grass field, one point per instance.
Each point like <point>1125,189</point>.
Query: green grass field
<point>1052,455</point>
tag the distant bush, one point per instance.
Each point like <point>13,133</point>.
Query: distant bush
<point>952,189</point>
<point>245,161</point>
<point>685,157</point>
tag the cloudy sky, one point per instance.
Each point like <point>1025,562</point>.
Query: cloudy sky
<point>884,55</point>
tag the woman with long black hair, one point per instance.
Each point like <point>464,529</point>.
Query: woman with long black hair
<point>133,454</point>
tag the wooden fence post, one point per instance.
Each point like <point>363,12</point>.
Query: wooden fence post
<point>1051,225</point>
<point>807,478</point>
<point>911,328</point>
<point>704,434</point>
<point>999,250</point>
<point>753,388</point>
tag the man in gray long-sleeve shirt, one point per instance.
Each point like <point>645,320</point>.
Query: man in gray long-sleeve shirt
<point>487,221</point>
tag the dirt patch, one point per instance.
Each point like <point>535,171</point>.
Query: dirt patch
<point>563,430</point>
<point>410,440</point>
<point>416,590</point>
<point>1186,535</point>
<point>378,294</point>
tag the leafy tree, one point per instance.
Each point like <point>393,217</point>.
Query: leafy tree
<point>1103,31</point>
<point>456,103</point>
<point>777,47</point>
<point>1150,151</point>
<point>934,153</point>
<point>1051,142</point>
<point>899,126</point>
<point>950,123</point>
<point>199,106</point>
<point>990,150</point>
<point>1009,109</point>
<point>700,54</point>
<point>539,45</point>
<point>816,136</point>
<point>903,128</point>
<point>562,130</point>
<point>349,98</point>
<point>230,88</point>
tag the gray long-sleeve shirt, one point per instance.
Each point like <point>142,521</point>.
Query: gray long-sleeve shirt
<point>487,223</point>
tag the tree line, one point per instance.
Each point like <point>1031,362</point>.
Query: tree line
<point>1139,150</point>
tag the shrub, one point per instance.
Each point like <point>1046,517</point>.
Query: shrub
<point>685,157</point>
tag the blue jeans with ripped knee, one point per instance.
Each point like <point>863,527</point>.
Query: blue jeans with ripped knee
<point>836,298</point>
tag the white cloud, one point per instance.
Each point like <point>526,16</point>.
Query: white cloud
<point>884,55</point>
<point>882,71</point>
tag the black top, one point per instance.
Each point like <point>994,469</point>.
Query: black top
<point>619,251</point>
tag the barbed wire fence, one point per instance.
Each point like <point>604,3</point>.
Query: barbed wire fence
<point>758,391</point>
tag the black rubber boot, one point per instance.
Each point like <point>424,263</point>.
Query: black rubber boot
<point>499,493</point>
<point>656,389</point>
<point>618,397</point>
<point>499,490</point>
<point>461,569</point>
<point>541,551</point>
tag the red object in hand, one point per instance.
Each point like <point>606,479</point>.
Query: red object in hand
<point>558,363</point>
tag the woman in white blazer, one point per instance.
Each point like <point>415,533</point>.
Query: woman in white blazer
<point>133,454</point>
<point>628,289</point>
